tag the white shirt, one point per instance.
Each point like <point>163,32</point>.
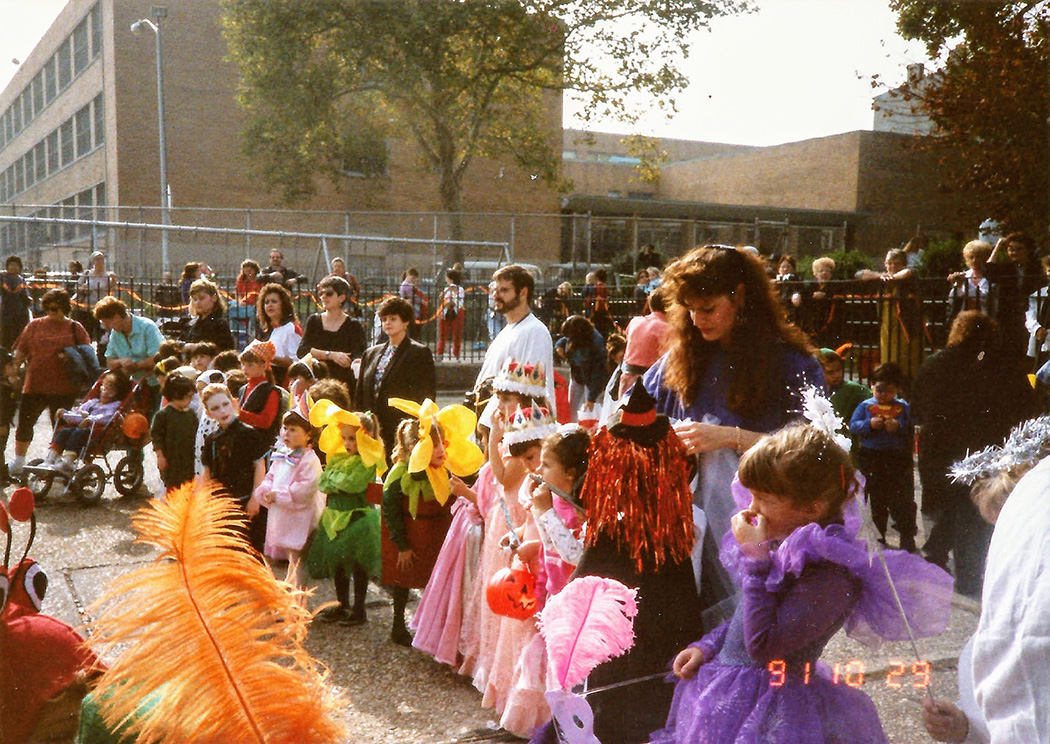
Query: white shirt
<point>1011,649</point>
<point>529,342</point>
<point>285,341</point>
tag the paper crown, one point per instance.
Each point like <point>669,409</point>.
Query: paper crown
<point>530,425</point>
<point>515,377</point>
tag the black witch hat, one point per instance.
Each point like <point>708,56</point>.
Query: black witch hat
<point>636,418</point>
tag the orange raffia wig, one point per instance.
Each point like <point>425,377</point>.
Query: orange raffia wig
<point>207,634</point>
<point>637,486</point>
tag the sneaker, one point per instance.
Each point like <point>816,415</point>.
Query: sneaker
<point>355,618</point>
<point>401,636</point>
<point>15,469</point>
<point>64,466</point>
<point>333,614</point>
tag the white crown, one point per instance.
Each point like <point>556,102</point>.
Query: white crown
<point>527,379</point>
<point>530,425</point>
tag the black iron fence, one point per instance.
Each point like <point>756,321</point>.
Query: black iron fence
<point>871,321</point>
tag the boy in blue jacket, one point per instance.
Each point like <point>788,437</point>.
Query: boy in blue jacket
<point>882,424</point>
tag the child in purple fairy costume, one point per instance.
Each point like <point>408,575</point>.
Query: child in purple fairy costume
<point>803,576</point>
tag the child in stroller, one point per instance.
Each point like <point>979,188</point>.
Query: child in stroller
<point>73,428</point>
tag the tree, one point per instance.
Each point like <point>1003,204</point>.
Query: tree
<point>325,83</point>
<point>989,101</point>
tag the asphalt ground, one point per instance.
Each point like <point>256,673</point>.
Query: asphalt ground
<point>397,695</point>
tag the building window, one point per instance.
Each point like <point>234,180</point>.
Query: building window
<point>27,105</point>
<point>96,30</point>
<point>68,212</point>
<point>83,126</point>
<point>50,81</point>
<point>38,92</point>
<point>16,115</point>
<point>65,70</point>
<point>29,169</point>
<point>52,152</point>
<point>40,155</point>
<point>20,177</point>
<point>100,120</point>
<point>81,53</point>
<point>65,133</point>
<point>100,197</point>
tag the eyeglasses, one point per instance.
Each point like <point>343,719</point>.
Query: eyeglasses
<point>328,293</point>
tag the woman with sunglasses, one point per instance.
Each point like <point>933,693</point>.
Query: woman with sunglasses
<point>332,336</point>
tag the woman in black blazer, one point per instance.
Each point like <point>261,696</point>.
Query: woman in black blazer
<point>400,368</point>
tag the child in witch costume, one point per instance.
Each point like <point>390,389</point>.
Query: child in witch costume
<point>640,533</point>
<point>289,492</point>
<point>347,543</point>
<point>803,576</point>
<point>416,494</point>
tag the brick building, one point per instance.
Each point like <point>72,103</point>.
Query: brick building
<point>864,190</point>
<point>78,137</point>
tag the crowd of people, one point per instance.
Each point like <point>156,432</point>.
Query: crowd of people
<point>695,464</point>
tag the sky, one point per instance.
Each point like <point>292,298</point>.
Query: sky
<point>793,70</point>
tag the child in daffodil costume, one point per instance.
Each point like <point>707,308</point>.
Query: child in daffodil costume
<point>416,495</point>
<point>347,542</point>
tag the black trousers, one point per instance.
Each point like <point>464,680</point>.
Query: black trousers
<point>890,489</point>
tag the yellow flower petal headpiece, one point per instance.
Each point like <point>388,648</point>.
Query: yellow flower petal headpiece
<point>462,456</point>
<point>327,414</point>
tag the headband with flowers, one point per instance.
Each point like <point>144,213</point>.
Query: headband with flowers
<point>327,414</point>
<point>462,456</point>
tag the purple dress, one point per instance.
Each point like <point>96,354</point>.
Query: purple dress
<point>817,581</point>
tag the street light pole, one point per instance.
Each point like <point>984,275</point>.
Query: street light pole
<point>165,193</point>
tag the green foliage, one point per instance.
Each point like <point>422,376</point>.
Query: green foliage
<point>326,83</point>
<point>989,101</point>
<point>941,257</point>
<point>847,263</point>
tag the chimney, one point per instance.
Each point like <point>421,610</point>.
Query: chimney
<point>916,71</point>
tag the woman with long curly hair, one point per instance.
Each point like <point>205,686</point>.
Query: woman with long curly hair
<point>735,367</point>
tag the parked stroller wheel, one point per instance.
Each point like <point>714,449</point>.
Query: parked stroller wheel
<point>88,483</point>
<point>128,475</point>
<point>38,483</point>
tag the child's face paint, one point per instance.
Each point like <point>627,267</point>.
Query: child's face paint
<point>221,408</point>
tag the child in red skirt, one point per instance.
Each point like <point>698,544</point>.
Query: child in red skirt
<point>416,496</point>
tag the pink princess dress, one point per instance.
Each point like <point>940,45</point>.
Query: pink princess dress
<point>293,477</point>
<point>492,671</point>
<point>438,621</point>
<point>527,706</point>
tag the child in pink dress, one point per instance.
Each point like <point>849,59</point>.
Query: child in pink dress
<point>523,437</point>
<point>289,491</point>
<point>553,555</point>
<point>514,387</point>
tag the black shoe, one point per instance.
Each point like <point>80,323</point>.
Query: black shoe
<point>401,636</point>
<point>334,614</point>
<point>352,619</point>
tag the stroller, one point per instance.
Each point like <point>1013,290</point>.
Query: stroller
<point>127,431</point>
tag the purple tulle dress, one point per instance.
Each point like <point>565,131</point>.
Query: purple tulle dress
<point>818,580</point>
